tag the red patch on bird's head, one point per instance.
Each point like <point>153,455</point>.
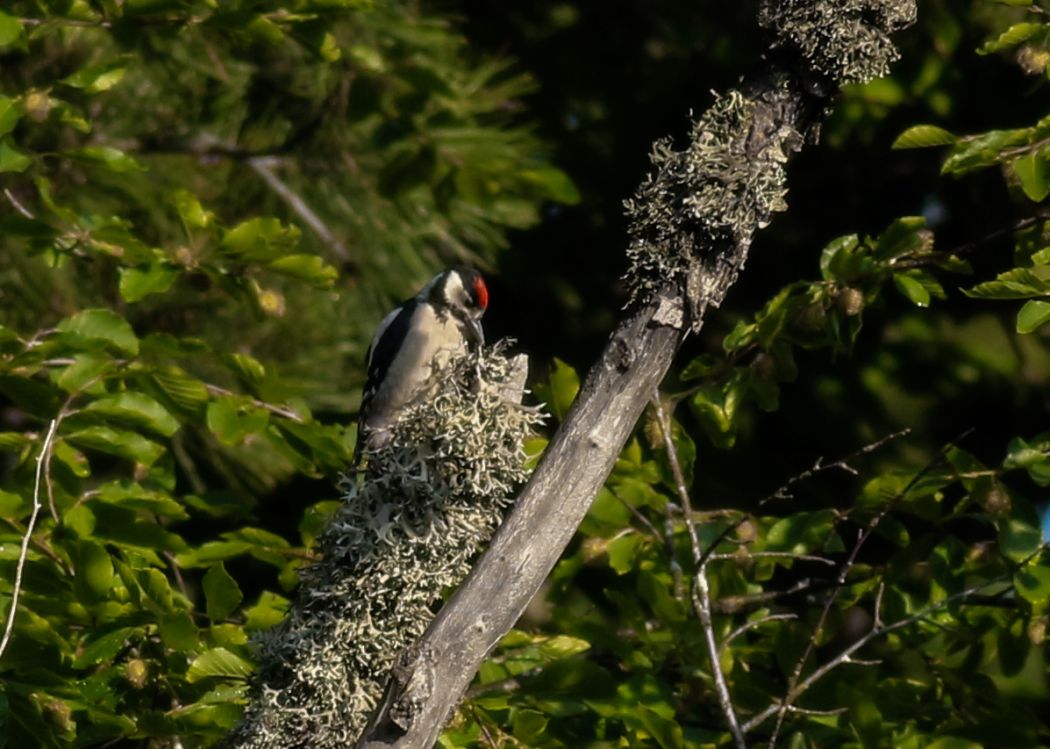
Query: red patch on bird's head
<point>481,292</point>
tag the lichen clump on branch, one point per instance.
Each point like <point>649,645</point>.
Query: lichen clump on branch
<point>841,41</point>
<point>714,193</point>
<point>431,497</point>
<point>700,206</point>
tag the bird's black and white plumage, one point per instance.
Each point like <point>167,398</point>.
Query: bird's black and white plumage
<point>442,320</point>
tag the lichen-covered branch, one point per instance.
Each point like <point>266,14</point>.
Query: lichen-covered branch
<point>692,222</point>
<point>430,499</point>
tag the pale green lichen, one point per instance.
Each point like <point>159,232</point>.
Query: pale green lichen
<point>842,41</point>
<point>714,193</point>
<point>701,205</point>
<point>430,499</point>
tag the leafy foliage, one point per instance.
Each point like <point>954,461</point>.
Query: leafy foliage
<point>208,205</point>
<point>182,285</point>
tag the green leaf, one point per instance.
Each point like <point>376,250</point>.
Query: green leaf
<point>1033,456</point>
<point>831,265</point>
<point>953,742</point>
<point>801,533</point>
<point>136,409</point>
<point>309,268</point>
<point>10,30</point>
<point>178,632</point>
<point>562,646</point>
<point>127,493</point>
<point>221,592</point>
<point>137,283</point>
<point>555,184</point>
<point>104,647</point>
<point>904,236</point>
<point>1033,583</point>
<point>908,285</point>
<point>716,406</point>
<point>96,78</point>
<point>247,368</point>
<point>1019,32</point>
<point>1019,534</point>
<point>561,388</point>
<point>111,158</point>
<point>622,552</point>
<point>11,159</point>
<point>10,113</point>
<point>260,239</point>
<point>213,551</point>
<point>923,136</point>
<point>11,504</point>
<point>1033,315</point>
<point>85,369</point>
<point>218,662</point>
<point>100,326</point>
<point>191,211</point>
<point>185,391</point>
<point>977,152</point>
<point>1033,171</point>
<point>666,732</point>
<point>118,442</point>
<point>1017,283</point>
<point>94,571</point>
<point>232,419</point>
<point>266,613</point>
<point>529,726</point>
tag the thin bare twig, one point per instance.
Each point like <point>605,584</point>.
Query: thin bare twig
<point>43,461</point>
<point>279,410</point>
<point>846,656</point>
<point>840,581</point>
<point>744,555</point>
<point>263,166</point>
<point>701,593</point>
<point>748,626</point>
<point>667,536</point>
<point>18,205</point>
<point>737,604</point>
<point>819,466</point>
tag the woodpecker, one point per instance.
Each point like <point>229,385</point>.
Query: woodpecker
<point>423,333</point>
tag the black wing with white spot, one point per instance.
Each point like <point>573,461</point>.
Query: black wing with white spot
<point>385,345</point>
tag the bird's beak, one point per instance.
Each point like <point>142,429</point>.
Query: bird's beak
<point>474,331</point>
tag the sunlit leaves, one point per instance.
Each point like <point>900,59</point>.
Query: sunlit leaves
<point>136,409</point>
<point>1032,316</point>
<point>218,662</point>
<point>96,78</point>
<point>10,30</point>
<point>1016,34</point>
<point>260,239</point>
<point>560,390</point>
<point>10,112</point>
<point>11,159</point>
<point>139,282</point>
<point>1019,533</point>
<point>1017,283</point>
<point>221,592</point>
<point>923,136</point>
<point>100,326</point>
<point>232,419</point>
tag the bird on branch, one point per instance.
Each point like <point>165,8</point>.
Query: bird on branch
<point>413,341</point>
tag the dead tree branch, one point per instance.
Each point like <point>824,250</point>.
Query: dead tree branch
<point>691,225</point>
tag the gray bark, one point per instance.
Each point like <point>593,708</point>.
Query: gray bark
<point>787,99</point>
